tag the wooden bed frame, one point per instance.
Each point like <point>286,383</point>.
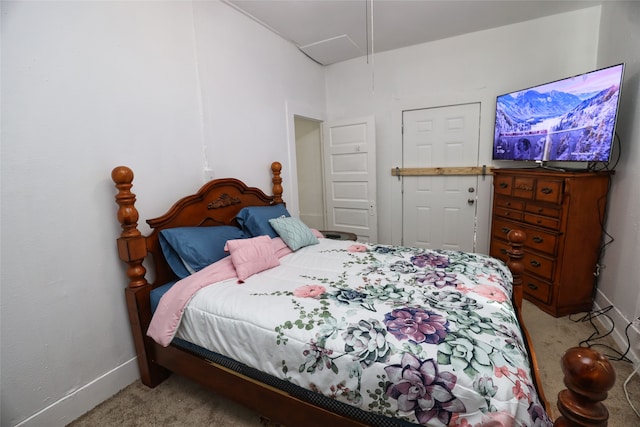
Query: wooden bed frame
<point>588,375</point>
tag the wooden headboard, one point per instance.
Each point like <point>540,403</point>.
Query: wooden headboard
<point>216,203</point>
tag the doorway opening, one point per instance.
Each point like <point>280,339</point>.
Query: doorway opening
<point>310,172</point>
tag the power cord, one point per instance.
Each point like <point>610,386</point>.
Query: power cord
<point>597,335</point>
<point>620,356</point>
<point>626,391</point>
<point>624,385</point>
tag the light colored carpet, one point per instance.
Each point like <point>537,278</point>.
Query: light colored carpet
<point>552,336</point>
<point>179,402</point>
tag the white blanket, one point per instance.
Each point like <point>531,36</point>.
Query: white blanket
<point>426,336</point>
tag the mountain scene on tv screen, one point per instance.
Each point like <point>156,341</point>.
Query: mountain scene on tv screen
<point>556,125</point>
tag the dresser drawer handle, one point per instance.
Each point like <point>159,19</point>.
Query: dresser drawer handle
<point>505,213</point>
<point>505,230</point>
<point>547,190</point>
<point>532,286</point>
<point>503,185</point>
<point>508,204</point>
<point>503,251</point>
<point>540,210</point>
<point>537,239</point>
<point>535,263</point>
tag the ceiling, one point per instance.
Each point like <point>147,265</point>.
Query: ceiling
<point>330,31</point>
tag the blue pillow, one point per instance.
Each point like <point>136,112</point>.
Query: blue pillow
<point>294,232</point>
<point>190,249</point>
<point>254,220</point>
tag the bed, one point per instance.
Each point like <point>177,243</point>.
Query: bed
<point>311,331</point>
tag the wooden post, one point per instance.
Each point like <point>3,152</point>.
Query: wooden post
<point>588,376</point>
<point>132,249</point>
<point>276,169</point>
<point>516,240</point>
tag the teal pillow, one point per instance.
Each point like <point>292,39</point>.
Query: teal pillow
<point>294,232</point>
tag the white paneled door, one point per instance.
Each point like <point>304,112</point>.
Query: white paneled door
<point>439,212</point>
<point>350,177</point>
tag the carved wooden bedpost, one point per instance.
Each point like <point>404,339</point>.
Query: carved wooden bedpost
<point>588,376</point>
<point>131,245</point>
<point>276,168</point>
<point>516,240</point>
<point>132,249</point>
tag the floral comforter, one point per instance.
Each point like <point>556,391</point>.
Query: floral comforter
<point>426,336</point>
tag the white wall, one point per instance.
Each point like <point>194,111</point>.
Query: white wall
<point>164,87</point>
<point>251,78</point>
<point>470,68</point>
<point>167,88</point>
<point>619,284</point>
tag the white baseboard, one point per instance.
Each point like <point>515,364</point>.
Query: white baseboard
<point>85,398</point>
<point>620,323</point>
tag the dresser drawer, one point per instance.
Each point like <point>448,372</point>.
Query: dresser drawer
<point>542,221</point>
<point>499,250</point>
<point>536,239</point>
<point>538,265</point>
<point>500,228</point>
<point>537,288</point>
<point>539,209</point>
<point>509,203</point>
<point>523,187</point>
<point>541,241</point>
<point>516,215</point>
<point>503,185</point>
<point>549,190</point>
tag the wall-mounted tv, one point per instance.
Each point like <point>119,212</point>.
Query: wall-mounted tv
<point>572,119</point>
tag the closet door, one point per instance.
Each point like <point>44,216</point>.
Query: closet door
<point>439,212</point>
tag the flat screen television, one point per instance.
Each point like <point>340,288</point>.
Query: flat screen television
<point>572,119</point>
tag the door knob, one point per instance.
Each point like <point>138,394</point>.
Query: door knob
<point>470,201</point>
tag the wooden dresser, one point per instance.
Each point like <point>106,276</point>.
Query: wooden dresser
<point>562,214</point>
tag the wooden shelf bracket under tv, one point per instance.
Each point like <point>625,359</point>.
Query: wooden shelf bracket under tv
<point>562,214</point>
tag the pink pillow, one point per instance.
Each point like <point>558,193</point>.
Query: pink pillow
<point>317,233</point>
<point>251,256</point>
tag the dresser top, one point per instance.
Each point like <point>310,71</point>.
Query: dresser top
<point>541,171</point>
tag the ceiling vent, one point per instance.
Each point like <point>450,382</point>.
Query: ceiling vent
<point>332,50</point>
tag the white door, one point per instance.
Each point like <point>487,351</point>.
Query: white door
<point>350,177</point>
<point>439,212</point>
